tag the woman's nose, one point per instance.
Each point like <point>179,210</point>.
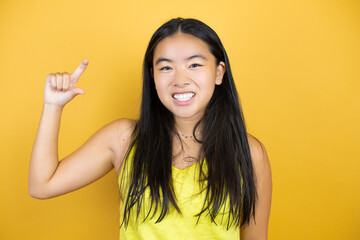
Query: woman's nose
<point>181,79</point>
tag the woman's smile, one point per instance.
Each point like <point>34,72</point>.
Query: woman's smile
<point>184,98</point>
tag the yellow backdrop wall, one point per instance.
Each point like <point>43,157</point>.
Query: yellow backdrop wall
<point>296,66</point>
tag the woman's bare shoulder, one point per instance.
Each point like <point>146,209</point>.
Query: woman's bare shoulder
<point>123,129</point>
<point>257,150</point>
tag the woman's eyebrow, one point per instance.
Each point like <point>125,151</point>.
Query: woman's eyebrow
<point>197,56</point>
<point>159,60</point>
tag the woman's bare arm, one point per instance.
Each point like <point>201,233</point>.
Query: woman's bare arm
<point>259,230</point>
<point>49,177</point>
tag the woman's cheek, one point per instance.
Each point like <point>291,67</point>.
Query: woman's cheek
<point>161,89</point>
<point>205,81</point>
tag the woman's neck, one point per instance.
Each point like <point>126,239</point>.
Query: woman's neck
<point>185,127</point>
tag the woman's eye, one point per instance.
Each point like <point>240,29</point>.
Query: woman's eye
<point>195,65</point>
<point>165,68</point>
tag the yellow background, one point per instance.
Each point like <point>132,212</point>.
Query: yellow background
<point>297,70</point>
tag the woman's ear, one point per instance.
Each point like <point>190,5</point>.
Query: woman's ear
<point>220,71</point>
<point>151,73</point>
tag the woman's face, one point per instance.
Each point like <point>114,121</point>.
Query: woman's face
<point>185,74</point>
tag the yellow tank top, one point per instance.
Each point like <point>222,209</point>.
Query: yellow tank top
<point>174,225</point>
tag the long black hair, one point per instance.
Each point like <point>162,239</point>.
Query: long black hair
<point>224,144</point>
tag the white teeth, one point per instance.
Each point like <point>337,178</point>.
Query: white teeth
<point>183,97</point>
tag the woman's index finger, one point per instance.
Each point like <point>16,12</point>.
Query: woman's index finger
<point>77,73</point>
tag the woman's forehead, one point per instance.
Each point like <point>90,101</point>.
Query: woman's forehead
<point>181,47</point>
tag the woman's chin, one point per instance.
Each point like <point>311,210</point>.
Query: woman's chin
<point>187,115</point>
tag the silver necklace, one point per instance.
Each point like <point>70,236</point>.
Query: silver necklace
<point>191,136</point>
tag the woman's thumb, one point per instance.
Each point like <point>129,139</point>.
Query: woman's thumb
<point>74,92</point>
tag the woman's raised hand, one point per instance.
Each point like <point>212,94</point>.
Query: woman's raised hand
<point>60,87</point>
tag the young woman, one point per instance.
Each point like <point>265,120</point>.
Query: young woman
<point>187,168</point>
